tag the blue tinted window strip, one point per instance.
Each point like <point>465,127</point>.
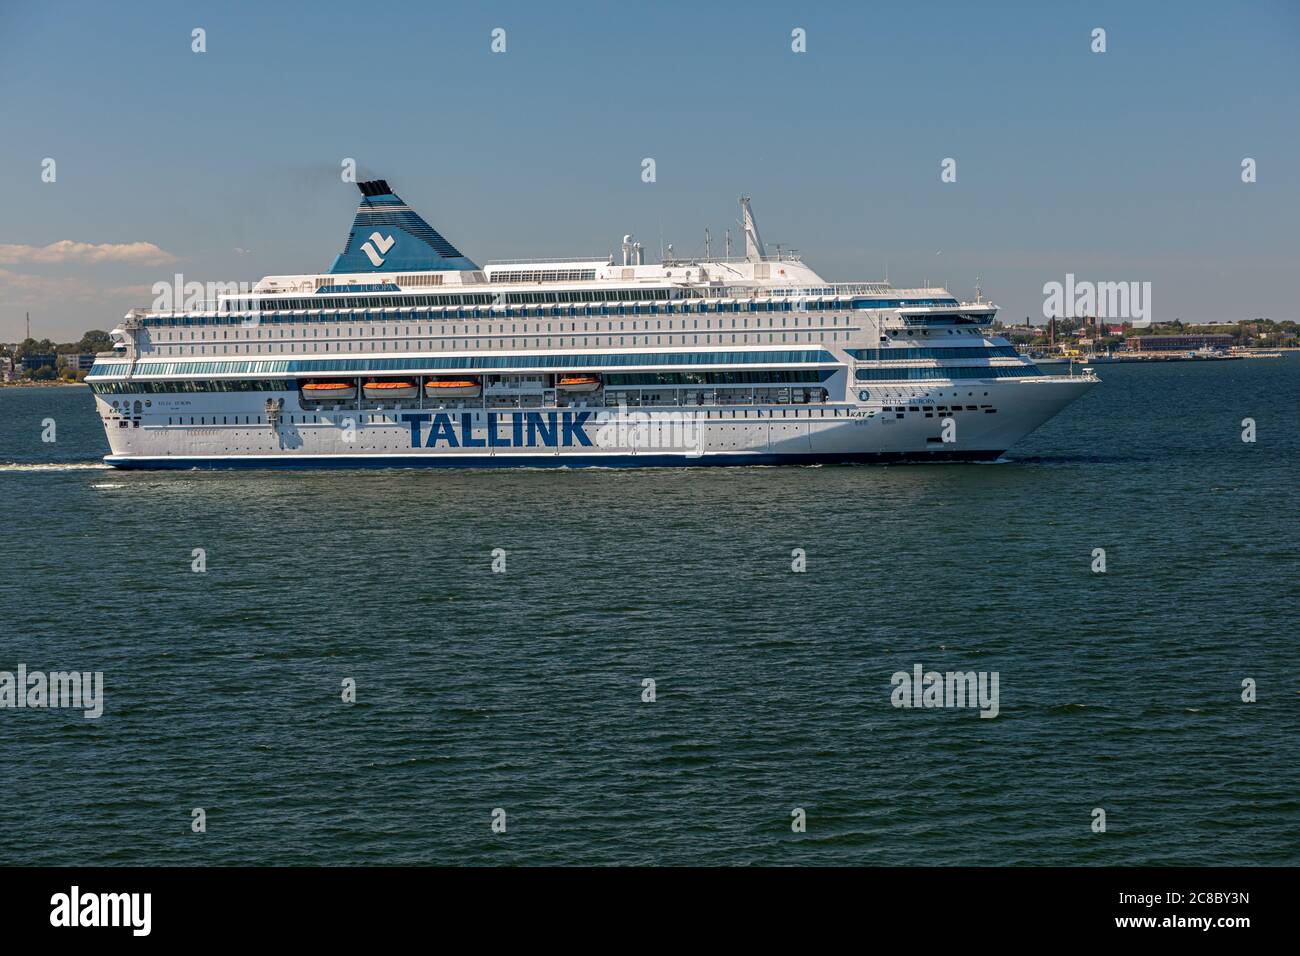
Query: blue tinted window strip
<point>945,352</point>
<point>486,362</point>
<point>918,374</point>
<point>758,377</point>
<point>108,368</point>
<point>900,303</point>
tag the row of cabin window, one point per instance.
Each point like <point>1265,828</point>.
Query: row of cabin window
<point>275,310</point>
<point>755,338</point>
<point>254,331</point>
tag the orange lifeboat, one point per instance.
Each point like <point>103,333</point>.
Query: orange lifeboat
<point>578,383</point>
<point>329,391</point>
<point>452,388</point>
<point>392,390</point>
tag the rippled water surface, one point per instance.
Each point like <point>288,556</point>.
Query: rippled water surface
<point>523,690</point>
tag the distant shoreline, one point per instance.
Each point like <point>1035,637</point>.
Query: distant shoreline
<point>24,384</point>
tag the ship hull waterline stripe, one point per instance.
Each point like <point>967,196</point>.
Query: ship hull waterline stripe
<point>337,462</point>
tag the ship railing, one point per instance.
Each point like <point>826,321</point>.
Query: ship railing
<point>227,304</point>
<point>858,288</point>
<point>188,308</point>
<point>606,259</point>
<point>786,256</point>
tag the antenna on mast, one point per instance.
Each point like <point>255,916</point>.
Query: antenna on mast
<point>708,247</point>
<point>728,244</point>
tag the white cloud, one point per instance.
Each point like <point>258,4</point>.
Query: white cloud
<point>65,250</point>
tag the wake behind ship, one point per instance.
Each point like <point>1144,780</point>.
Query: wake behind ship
<point>408,353</point>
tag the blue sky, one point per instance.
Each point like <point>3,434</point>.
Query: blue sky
<point>1124,165</point>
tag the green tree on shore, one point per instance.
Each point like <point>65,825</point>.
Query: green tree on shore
<point>96,340</point>
<point>33,347</point>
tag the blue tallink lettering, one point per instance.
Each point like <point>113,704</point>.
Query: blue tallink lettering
<point>467,438</point>
<point>537,427</point>
<point>441,431</point>
<point>574,427</point>
<point>495,440</point>
<point>415,421</point>
<point>546,429</point>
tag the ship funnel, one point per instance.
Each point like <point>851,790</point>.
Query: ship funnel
<point>389,236</point>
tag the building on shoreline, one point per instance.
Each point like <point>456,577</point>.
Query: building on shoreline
<point>32,361</point>
<point>77,361</point>
<point>1177,343</point>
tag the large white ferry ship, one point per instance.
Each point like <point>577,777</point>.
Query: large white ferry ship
<point>407,353</point>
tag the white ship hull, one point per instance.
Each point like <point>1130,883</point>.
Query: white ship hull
<point>1003,413</point>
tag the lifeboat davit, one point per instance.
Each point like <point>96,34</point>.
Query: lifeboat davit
<point>391,390</point>
<point>452,388</point>
<point>578,383</point>
<point>329,391</point>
